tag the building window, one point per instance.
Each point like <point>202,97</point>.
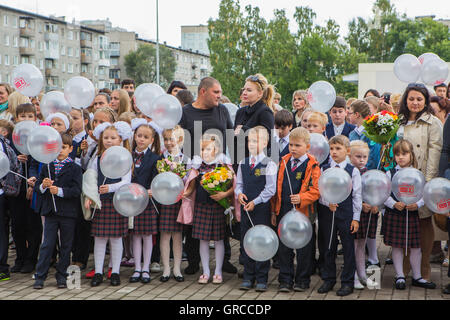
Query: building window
<point>15,42</point>
<point>16,60</point>
<point>41,64</point>
<point>77,53</point>
<point>41,46</point>
<point>114,61</point>
<point>32,43</point>
<point>5,20</point>
<point>70,51</point>
<point>33,61</point>
<point>63,50</point>
<point>63,67</point>
<point>69,68</point>
<point>25,59</point>
<point>14,22</point>
<point>70,35</point>
<point>6,40</point>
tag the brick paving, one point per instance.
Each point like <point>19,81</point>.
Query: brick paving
<point>20,287</point>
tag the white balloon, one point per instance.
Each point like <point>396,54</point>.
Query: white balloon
<point>20,135</point>
<point>116,162</point>
<point>335,185</point>
<point>145,94</point>
<point>167,188</point>
<point>295,230</point>
<point>166,111</point>
<point>434,72</point>
<point>131,200</point>
<point>321,96</point>
<point>27,79</point>
<point>436,195</point>
<point>53,102</point>
<point>320,148</point>
<point>376,187</point>
<point>44,144</point>
<point>4,165</point>
<point>261,243</point>
<point>407,68</point>
<point>79,92</point>
<point>425,57</point>
<point>407,185</point>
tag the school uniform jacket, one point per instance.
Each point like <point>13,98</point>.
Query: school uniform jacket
<point>147,170</point>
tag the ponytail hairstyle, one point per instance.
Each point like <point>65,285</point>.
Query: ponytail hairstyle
<point>139,122</point>
<point>267,89</point>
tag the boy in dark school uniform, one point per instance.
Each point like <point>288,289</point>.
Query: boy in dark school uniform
<point>338,125</point>
<point>66,191</point>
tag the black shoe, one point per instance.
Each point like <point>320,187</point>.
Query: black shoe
<point>164,278</point>
<point>192,269</point>
<point>369,264</point>
<point>178,278</point>
<point>16,268</point>
<point>228,267</point>
<point>38,284</point>
<point>400,285</point>
<point>301,287</point>
<point>241,274</point>
<point>284,287</point>
<point>146,280</point>
<point>326,287</point>
<point>62,284</point>
<point>446,289</point>
<point>135,279</point>
<point>97,280</point>
<point>4,276</point>
<point>345,290</point>
<point>27,268</point>
<point>389,261</point>
<point>426,285</point>
<point>246,285</point>
<point>276,264</point>
<point>115,279</point>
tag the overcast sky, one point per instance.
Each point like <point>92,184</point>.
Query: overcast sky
<point>140,15</point>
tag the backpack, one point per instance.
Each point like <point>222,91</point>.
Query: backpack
<point>11,183</point>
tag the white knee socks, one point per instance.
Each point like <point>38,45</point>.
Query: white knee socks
<point>177,245</point>
<point>220,254</point>
<point>360,257</point>
<point>146,249</point>
<point>397,257</point>
<point>415,258</point>
<point>373,254</point>
<point>116,253</point>
<point>99,253</point>
<point>204,256</point>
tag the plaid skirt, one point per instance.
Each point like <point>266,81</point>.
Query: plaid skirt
<point>146,223</point>
<point>168,218</point>
<point>108,223</point>
<point>364,223</point>
<point>395,229</point>
<point>209,222</point>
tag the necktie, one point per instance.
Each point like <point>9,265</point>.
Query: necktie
<point>295,166</point>
<point>253,163</point>
<point>281,143</point>
<point>138,156</point>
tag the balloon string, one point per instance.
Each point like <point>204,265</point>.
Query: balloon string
<point>407,226</point>
<point>19,175</point>
<point>95,208</point>
<point>82,118</point>
<point>154,205</point>
<point>332,227</point>
<point>381,159</point>
<point>368,228</point>
<point>289,181</point>
<point>249,218</point>
<point>53,196</point>
<point>26,173</point>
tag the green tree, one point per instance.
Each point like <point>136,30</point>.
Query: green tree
<point>141,65</point>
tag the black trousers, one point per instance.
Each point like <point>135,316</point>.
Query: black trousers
<point>255,270</point>
<point>329,255</point>
<point>66,227</point>
<point>82,241</point>
<point>26,229</point>
<point>4,267</point>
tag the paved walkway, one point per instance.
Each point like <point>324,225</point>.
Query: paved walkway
<point>20,287</point>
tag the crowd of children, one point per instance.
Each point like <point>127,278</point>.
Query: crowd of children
<point>262,190</point>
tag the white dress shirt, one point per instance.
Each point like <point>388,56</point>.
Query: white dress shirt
<point>115,186</point>
<point>357,190</point>
<point>271,180</point>
<point>60,190</point>
<point>338,129</point>
<point>359,130</point>
<point>390,202</point>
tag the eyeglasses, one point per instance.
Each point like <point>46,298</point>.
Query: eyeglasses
<point>255,79</point>
<point>416,85</point>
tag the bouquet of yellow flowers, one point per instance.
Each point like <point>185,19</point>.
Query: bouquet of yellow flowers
<point>218,180</point>
<point>168,165</point>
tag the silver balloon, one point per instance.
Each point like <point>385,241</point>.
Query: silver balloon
<point>131,200</point>
<point>321,96</point>
<point>27,79</point>
<point>320,148</point>
<point>376,187</point>
<point>166,111</point>
<point>436,195</point>
<point>335,185</point>
<point>116,162</point>
<point>434,72</point>
<point>145,94</point>
<point>261,243</point>
<point>4,165</point>
<point>79,92</point>
<point>295,230</point>
<point>232,110</point>
<point>54,102</point>
<point>44,144</point>
<point>425,57</point>
<point>20,135</point>
<point>407,185</point>
<point>167,188</point>
<point>407,68</point>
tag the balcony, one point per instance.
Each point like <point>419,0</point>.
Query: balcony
<point>51,54</point>
<point>24,51</point>
<point>51,37</point>
<point>50,72</point>
<point>85,44</point>
<point>114,53</point>
<point>104,63</point>
<point>27,32</point>
<point>86,59</point>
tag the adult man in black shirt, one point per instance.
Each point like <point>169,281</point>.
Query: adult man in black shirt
<point>205,114</point>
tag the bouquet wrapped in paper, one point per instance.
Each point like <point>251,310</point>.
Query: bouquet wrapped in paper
<point>168,165</point>
<point>218,180</point>
<point>382,128</point>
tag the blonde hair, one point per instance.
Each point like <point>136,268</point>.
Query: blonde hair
<point>15,99</point>
<point>124,101</point>
<point>261,132</point>
<point>395,101</point>
<point>127,117</point>
<point>207,138</point>
<point>301,94</point>
<point>109,112</point>
<point>319,117</point>
<point>267,89</point>
<point>341,139</point>
<point>177,133</point>
<point>350,101</point>
<point>358,145</point>
<point>374,101</point>
<point>300,134</point>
